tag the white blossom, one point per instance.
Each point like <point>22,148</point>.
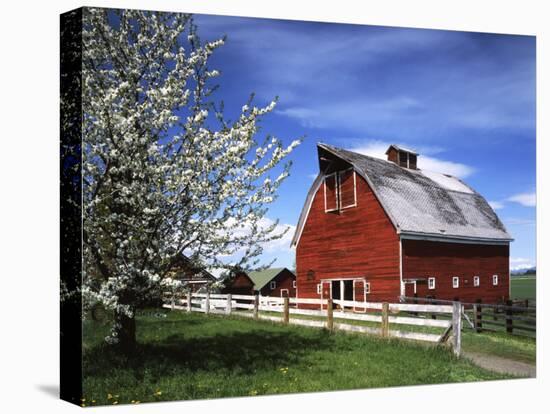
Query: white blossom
<point>161,176</point>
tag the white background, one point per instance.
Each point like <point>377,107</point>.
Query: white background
<point>29,207</point>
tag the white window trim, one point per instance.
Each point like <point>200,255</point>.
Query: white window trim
<point>457,280</point>
<point>367,288</point>
<point>495,280</point>
<point>294,284</point>
<point>354,189</point>
<point>476,281</point>
<point>319,288</point>
<point>431,283</point>
<point>272,285</point>
<point>336,190</point>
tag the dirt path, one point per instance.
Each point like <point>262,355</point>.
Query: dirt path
<point>502,365</point>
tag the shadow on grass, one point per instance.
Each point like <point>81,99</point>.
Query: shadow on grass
<point>244,352</point>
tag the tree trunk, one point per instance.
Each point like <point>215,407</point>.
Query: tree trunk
<point>126,333</point>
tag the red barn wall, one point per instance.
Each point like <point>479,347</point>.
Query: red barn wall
<point>445,260</point>
<point>282,281</point>
<point>356,242</point>
<point>241,285</point>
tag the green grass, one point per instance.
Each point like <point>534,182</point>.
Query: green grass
<point>518,348</point>
<point>524,287</point>
<point>194,356</point>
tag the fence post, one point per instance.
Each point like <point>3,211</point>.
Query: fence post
<point>173,299</point>
<point>189,298</point>
<point>385,328</point>
<point>228,306</point>
<point>509,320</point>
<point>478,324</point>
<point>207,303</point>
<point>256,306</point>
<point>330,319</point>
<point>286,312</point>
<point>457,328</point>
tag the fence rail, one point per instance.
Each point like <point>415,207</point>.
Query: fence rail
<point>506,317</point>
<point>382,316</point>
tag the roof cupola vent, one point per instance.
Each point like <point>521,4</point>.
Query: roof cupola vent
<point>403,157</point>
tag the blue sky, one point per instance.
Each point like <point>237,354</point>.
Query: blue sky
<point>465,101</point>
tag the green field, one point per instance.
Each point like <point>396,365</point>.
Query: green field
<point>523,287</point>
<point>194,356</point>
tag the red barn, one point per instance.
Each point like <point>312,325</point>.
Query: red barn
<point>381,230</point>
<point>193,276</point>
<point>279,282</point>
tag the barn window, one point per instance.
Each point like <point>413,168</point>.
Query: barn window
<point>495,280</point>
<point>347,188</point>
<point>331,192</point>
<point>431,283</point>
<point>476,281</point>
<point>456,282</point>
<point>272,284</point>
<point>367,287</point>
<point>340,190</point>
<point>293,283</point>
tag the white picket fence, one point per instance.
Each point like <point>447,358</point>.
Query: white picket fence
<point>383,315</point>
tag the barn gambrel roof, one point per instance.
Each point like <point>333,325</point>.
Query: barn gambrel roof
<point>420,204</point>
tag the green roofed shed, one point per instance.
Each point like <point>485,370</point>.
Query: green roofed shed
<point>263,277</point>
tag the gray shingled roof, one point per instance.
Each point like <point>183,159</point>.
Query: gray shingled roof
<point>421,202</point>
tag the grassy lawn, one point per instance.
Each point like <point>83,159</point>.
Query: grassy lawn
<point>194,356</point>
<point>518,348</point>
<point>524,287</point>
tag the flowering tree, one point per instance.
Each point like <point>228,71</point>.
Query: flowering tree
<point>163,171</point>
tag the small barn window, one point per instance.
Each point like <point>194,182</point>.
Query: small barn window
<point>272,284</point>
<point>347,188</point>
<point>495,280</point>
<point>367,287</point>
<point>294,284</point>
<point>331,192</point>
<point>456,282</point>
<point>318,288</point>
<point>431,283</point>
<point>476,281</point>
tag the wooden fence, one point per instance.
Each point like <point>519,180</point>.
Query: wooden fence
<point>380,318</point>
<point>510,317</point>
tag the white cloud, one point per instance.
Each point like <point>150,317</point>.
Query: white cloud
<point>377,148</point>
<point>445,167</point>
<point>518,263</point>
<point>525,199</point>
<point>280,245</point>
<point>496,205</point>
